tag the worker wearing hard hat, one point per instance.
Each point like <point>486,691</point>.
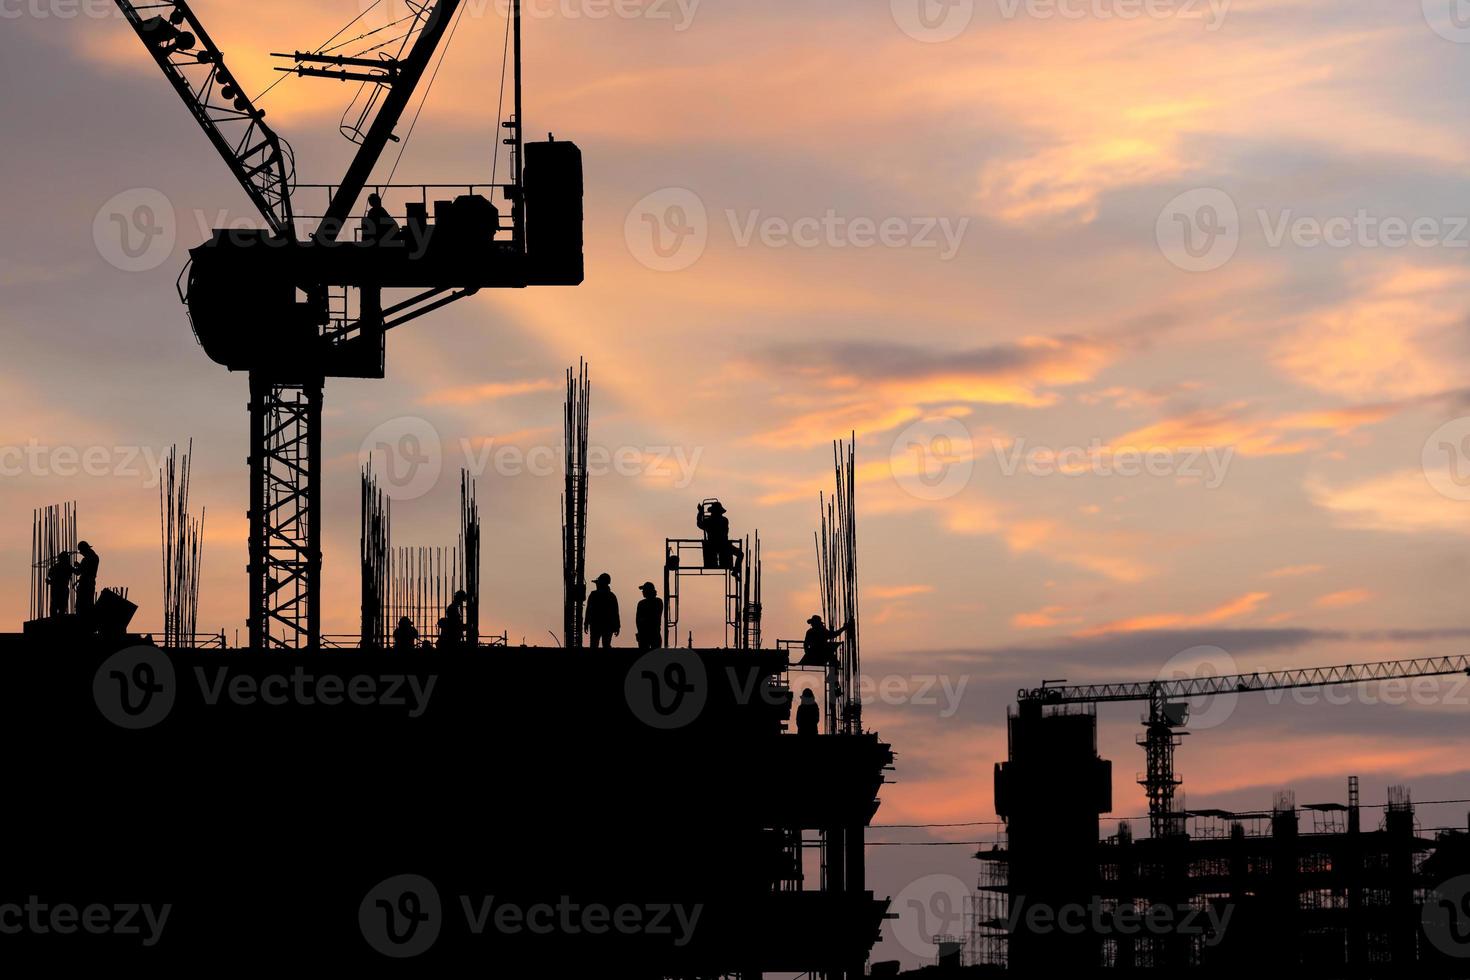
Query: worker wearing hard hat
<point>819,648</point>
<point>602,613</point>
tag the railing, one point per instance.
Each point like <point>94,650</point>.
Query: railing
<point>353,641</point>
<point>397,197</point>
<point>194,641</point>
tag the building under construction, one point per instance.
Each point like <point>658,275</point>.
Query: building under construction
<point>1334,889</point>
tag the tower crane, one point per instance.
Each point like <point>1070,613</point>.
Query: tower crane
<point>277,304</point>
<point>1168,710</point>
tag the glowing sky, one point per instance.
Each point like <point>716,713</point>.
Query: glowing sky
<point>1092,436</point>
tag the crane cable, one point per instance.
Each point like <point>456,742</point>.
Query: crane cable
<point>429,88</point>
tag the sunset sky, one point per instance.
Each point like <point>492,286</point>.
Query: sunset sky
<point>1152,329</point>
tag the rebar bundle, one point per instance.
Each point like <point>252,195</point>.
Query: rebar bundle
<point>377,519</point>
<point>183,550</point>
<point>469,549</point>
<point>837,586</point>
<point>749,636</point>
<point>421,584</point>
<point>574,504</point>
<point>417,583</point>
<point>53,535</point>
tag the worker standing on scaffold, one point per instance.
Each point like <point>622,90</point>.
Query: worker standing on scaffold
<point>719,550</point>
<point>819,647</point>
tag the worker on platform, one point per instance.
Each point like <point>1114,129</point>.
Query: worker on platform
<point>650,619</point>
<point>602,620</point>
<point>406,636</point>
<point>819,646</point>
<point>87,579</point>
<point>378,225</point>
<point>58,578</point>
<point>807,714</point>
<point>719,550</point>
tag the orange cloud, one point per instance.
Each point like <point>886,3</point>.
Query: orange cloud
<point>474,394</point>
<point>1291,571</point>
<point>1233,426</point>
<point>898,591</point>
<point>1042,618</point>
<point>1235,608</point>
<point>1347,597</point>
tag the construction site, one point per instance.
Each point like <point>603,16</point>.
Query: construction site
<point>1338,888</point>
<point>423,789</point>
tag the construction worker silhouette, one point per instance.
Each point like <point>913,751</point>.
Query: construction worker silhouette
<point>719,550</point>
<point>649,619</point>
<point>87,579</point>
<point>807,714</point>
<point>602,613</point>
<point>58,577</point>
<point>378,225</point>
<point>818,647</point>
<point>452,634</point>
<point>405,637</point>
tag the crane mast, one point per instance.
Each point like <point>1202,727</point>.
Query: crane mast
<point>1168,710</point>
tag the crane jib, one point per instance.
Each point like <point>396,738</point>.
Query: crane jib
<point>259,159</point>
<point>1274,680</point>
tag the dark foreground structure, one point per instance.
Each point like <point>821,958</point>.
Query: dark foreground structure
<point>541,811</point>
<point>1322,890</point>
